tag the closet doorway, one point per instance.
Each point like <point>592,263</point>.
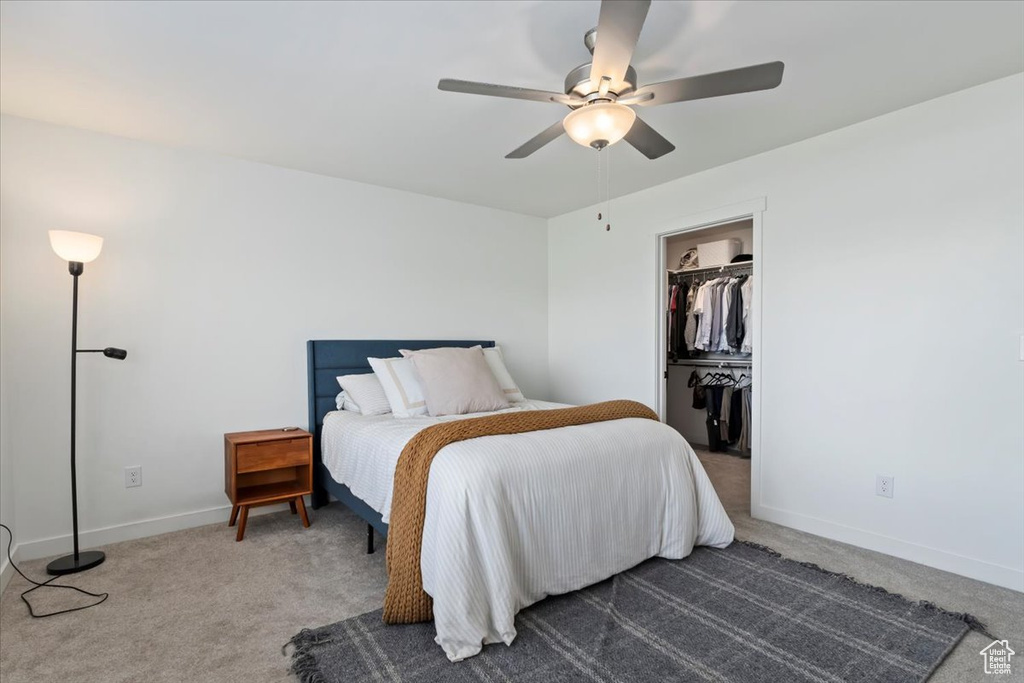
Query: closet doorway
<point>708,369</point>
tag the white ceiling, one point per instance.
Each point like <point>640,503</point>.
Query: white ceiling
<point>348,89</point>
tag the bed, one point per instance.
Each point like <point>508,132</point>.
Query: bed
<point>513,518</point>
<point>325,361</point>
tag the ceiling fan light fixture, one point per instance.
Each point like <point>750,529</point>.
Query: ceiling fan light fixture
<point>600,124</point>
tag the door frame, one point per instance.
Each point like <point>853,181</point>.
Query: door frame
<point>753,210</point>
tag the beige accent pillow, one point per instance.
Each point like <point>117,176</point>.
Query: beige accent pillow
<point>457,381</point>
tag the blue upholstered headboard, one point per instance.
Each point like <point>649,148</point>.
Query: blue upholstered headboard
<point>328,358</point>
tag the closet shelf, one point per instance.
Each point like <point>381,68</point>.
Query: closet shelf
<point>725,268</point>
<point>712,363</point>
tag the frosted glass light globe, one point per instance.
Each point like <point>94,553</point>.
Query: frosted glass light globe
<point>600,124</point>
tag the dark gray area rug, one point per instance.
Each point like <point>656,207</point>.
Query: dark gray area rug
<point>739,614</point>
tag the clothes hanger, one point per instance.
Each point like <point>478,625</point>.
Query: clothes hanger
<point>709,379</point>
<point>721,379</point>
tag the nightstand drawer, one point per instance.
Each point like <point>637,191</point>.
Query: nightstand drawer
<point>270,455</point>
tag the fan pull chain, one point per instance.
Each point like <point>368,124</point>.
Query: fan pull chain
<point>608,192</point>
<point>604,191</point>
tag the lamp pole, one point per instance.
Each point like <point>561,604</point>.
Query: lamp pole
<point>77,561</point>
<point>75,268</point>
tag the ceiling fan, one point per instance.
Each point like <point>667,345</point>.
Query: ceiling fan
<point>601,92</point>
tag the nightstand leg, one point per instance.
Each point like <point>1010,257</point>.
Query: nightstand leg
<point>241,522</point>
<point>291,504</point>
<point>302,511</point>
<point>234,515</point>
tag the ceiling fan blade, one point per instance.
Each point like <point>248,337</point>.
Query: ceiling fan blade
<point>746,79</point>
<point>618,29</point>
<point>510,91</point>
<point>537,141</point>
<point>636,98</point>
<point>648,141</point>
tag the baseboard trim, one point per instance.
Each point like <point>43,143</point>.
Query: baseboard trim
<point>57,545</point>
<point>6,570</point>
<point>996,574</point>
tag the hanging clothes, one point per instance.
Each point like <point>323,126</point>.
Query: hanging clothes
<point>679,323</point>
<point>690,326</point>
<point>726,401</point>
<point>743,445</point>
<point>717,308</point>
<point>736,421</point>
<point>678,303</point>
<point>746,346</point>
<point>712,316</point>
<point>726,408</point>
<point>698,315</point>
<point>713,422</point>
<point>745,434</point>
<point>708,312</point>
<point>699,396</point>
<point>734,324</point>
<point>672,313</point>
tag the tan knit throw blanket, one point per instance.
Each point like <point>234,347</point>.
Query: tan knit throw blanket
<point>405,601</point>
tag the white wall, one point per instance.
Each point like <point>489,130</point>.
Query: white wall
<point>892,304</point>
<point>213,275</point>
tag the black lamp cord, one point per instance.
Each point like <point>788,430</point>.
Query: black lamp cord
<point>47,584</point>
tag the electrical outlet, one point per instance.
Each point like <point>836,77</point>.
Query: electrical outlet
<point>883,486</point>
<point>132,476</point>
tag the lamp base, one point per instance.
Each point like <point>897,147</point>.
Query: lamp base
<point>68,565</point>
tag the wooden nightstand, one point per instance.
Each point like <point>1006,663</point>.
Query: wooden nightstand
<point>265,467</point>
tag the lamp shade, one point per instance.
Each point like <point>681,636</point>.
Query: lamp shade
<point>77,247</point>
<point>600,124</point>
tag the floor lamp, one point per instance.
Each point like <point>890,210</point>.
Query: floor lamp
<point>77,248</point>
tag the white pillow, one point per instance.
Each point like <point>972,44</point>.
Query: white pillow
<point>496,361</point>
<point>367,393</point>
<point>457,381</point>
<point>508,385</point>
<point>401,386</point>
<point>344,402</point>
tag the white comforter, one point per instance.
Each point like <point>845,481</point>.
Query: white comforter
<point>514,518</point>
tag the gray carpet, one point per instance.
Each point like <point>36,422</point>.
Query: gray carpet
<point>195,605</point>
<point>738,614</point>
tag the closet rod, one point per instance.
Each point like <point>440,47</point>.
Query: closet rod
<point>713,363</point>
<point>714,269</point>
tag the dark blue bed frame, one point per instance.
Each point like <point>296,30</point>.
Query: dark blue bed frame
<point>326,359</point>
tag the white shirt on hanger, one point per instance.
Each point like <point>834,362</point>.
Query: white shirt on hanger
<point>747,291</point>
<point>704,295</point>
<point>727,303</point>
